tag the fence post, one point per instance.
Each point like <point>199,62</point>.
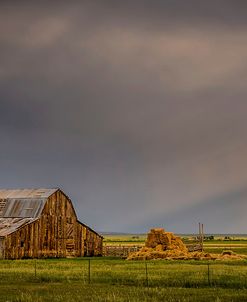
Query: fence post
<point>208,274</point>
<point>146,270</point>
<point>89,271</point>
<point>35,268</point>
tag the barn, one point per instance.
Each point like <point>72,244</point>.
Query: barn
<point>40,223</point>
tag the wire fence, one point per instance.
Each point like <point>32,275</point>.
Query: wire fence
<point>124,250</point>
<point>120,250</point>
<point>120,272</point>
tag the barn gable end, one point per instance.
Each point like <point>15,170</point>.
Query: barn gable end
<point>43,223</point>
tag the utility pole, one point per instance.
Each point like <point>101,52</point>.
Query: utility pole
<point>202,238</point>
<point>201,234</point>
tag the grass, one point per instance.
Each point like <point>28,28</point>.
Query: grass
<point>215,241</point>
<point>219,250</point>
<point>113,279</point>
<point>125,239</point>
<point>120,280</point>
<point>78,292</point>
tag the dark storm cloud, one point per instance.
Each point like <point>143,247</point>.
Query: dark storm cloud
<point>137,109</point>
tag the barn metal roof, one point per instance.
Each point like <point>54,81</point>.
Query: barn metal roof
<point>21,207</point>
<point>23,203</point>
<point>9,225</point>
<point>26,193</point>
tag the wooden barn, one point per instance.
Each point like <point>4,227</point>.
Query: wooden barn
<point>42,223</point>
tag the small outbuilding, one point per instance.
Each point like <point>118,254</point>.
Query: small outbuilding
<point>41,223</point>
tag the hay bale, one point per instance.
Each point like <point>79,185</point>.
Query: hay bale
<point>165,245</point>
<point>165,240</point>
<point>161,245</point>
<point>228,252</point>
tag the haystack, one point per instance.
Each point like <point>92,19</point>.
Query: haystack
<point>165,241</point>
<point>161,244</point>
<point>165,245</point>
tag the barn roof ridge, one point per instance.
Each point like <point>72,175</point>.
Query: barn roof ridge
<point>27,193</point>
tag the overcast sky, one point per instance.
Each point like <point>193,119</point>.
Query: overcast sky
<point>136,109</point>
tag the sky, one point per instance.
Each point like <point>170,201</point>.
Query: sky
<point>137,110</point>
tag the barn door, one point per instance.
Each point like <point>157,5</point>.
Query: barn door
<point>70,238</point>
<point>1,248</point>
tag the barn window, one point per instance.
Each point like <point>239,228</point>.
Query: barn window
<point>22,243</point>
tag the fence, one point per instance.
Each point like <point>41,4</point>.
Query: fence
<point>120,250</point>
<point>193,247</point>
<point>124,250</point>
<point>165,274</point>
<point>120,272</point>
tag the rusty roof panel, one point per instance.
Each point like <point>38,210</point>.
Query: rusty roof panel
<point>10,225</point>
<point>22,208</point>
<point>27,193</point>
<point>23,203</point>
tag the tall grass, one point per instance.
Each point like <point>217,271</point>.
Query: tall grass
<point>120,280</point>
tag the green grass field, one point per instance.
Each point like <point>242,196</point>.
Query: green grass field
<point>113,279</point>
<point>121,280</point>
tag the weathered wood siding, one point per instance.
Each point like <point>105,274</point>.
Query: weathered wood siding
<point>93,243</point>
<point>57,233</point>
<point>1,248</point>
